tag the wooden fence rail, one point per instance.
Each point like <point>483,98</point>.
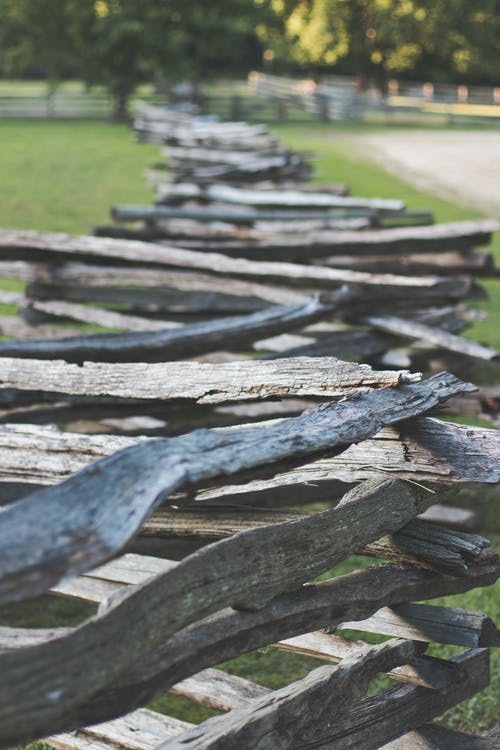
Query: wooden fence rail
<point>189,547</point>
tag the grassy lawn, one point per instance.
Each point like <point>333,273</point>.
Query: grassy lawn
<point>59,176</point>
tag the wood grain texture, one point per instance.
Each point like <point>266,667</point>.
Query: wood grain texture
<point>202,382</point>
<point>137,480</point>
<point>213,640</point>
<point>427,451</point>
<point>424,622</point>
<point>283,721</point>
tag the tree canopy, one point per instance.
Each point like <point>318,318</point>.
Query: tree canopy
<point>121,43</point>
<point>377,38</point>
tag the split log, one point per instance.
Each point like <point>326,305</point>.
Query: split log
<point>204,383</point>
<point>32,454</point>
<point>443,339</point>
<point>152,278</point>
<point>451,262</point>
<point>332,691</point>
<point>402,240</point>
<point>425,622</point>
<point>426,451</point>
<point>426,671</point>
<point>19,245</point>
<point>438,549</point>
<point>187,341</point>
<point>218,638</point>
<point>137,480</point>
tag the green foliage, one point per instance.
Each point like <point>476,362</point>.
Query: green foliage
<point>123,43</point>
<point>374,38</point>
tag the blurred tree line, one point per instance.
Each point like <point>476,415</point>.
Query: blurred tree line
<point>122,43</point>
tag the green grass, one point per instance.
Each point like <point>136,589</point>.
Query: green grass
<point>57,176</point>
<point>64,176</point>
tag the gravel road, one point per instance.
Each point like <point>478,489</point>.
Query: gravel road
<point>463,166</point>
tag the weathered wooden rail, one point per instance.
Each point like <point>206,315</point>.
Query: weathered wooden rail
<point>194,548</point>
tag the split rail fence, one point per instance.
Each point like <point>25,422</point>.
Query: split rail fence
<point>237,304</point>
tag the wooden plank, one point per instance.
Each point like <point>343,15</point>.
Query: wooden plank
<point>425,622</point>
<point>401,240</point>
<point>333,691</point>
<point>32,453</point>
<point>416,543</point>
<point>204,383</point>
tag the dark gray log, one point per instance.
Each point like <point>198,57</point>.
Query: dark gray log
<point>84,277</point>
<point>419,543</point>
<point>225,635</point>
<point>240,215</point>
<point>425,671</point>
<point>20,245</point>
<point>202,382</point>
<point>312,198</point>
<point>33,454</point>
<point>157,346</point>
<point>427,451</point>
<point>331,693</point>
<point>424,622</point>
<point>137,480</point>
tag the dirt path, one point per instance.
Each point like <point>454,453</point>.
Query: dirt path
<point>463,165</point>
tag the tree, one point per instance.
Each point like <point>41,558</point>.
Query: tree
<point>377,38</point>
<point>38,33</point>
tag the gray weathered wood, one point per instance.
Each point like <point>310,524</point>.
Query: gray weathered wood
<point>226,634</point>
<point>29,245</point>
<point>285,722</point>
<point>425,671</point>
<point>427,451</point>
<point>400,327</point>
<point>136,480</point>
<point>219,690</point>
<point>424,622</point>
<point>98,316</point>
<point>140,730</point>
<point>189,340</point>
<point>202,382</point>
